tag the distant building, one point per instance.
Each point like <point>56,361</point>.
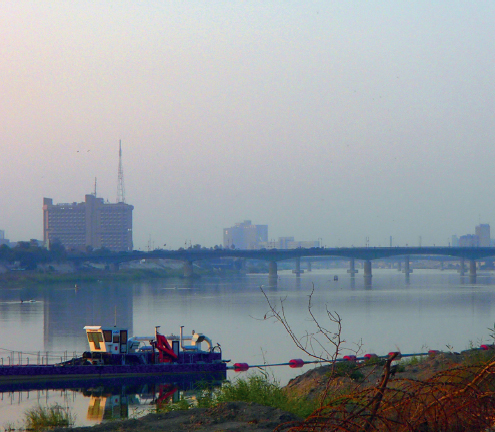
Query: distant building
<point>483,233</point>
<point>289,243</point>
<point>3,240</point>
<point>93,223</point>
<point>245,235</point>
<point>480,238</point>
<point>469,240</point>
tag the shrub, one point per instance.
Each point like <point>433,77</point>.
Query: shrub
<point>46,417</point>
<point>256,389</point>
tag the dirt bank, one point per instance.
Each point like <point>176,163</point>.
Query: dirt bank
<point>229,416</point>
<point>249,417</point>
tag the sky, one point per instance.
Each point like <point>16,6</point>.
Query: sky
<point>324,120</point>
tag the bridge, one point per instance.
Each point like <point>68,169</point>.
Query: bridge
<point>273,256</point>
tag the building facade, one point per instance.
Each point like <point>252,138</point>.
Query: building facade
<point>289,243</point>
<point>92,223</point>
<point>483,233</point>
<point>245,235</point>
<point>469,240</point>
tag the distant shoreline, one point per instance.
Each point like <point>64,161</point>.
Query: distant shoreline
<point>28,278</point>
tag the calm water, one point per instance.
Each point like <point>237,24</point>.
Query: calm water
<point>430,310</point>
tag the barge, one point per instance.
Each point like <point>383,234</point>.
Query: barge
<point>112,354</point>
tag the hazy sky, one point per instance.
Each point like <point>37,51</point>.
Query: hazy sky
<point>323,119</point>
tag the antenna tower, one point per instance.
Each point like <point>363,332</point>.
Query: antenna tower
<point>120,183</point>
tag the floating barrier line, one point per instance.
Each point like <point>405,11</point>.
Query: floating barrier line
<point>297,363</point>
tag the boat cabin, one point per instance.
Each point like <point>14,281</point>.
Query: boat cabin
<point>111,340</point>
<point>111,345</point>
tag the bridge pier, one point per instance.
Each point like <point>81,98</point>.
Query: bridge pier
<point>113,267</point>
<point>461,266</point>
<point>272,269</point>
<point>367,269</point>
<point>407,270</point>
<point>472,268</point>
<point>352,268</point>
<point>399,266</point>
<point>298,270</point>
<point>188,269</point>
<point>244,265</point>
<point>309,266</point>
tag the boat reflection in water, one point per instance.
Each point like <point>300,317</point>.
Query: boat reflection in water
<point>110,402</point>
<point>114,398</point>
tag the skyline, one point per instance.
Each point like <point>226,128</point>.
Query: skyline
<point>321,120</point>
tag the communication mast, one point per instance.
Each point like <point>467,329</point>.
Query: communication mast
<point>120,183</point>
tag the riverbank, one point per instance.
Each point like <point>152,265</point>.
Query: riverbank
<point>228,416</point>
<point>30,278</point>
<point>447,388</point>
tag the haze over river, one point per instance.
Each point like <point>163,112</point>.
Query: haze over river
<point>431,309</point>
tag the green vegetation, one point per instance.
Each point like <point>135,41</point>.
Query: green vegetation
<point>256,389</point>
<point>346,369</point>
<point>40,418</point>
<point>31,278</point>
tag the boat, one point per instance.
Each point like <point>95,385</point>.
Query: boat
<point>113,354</point>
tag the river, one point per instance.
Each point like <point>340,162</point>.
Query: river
<point>431,309</point>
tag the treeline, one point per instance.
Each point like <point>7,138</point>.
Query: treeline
<point>27,255</point>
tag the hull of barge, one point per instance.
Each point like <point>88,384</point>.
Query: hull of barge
<point>55,372</point>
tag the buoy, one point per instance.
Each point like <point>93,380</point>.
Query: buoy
<point>241,367</point>
<point>433,352</point>
<point>487,347</point>
<point>350,358</point>
<point>370,356</point>
<point>397,354</point>
<point>296,363</point>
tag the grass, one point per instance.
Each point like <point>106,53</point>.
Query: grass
<point>40,418</point>
<point>256,389</point>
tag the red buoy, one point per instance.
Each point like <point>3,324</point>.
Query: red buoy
<point>433,352</point>
<point>370,356</point>
<point>351,358</point>
<point>296,363</point>
<point>241,367</point>
<point>397,353</point>
<point>487,347</point>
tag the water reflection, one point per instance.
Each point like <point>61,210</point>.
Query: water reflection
<point>111,399</point>
<point>368,282</point>
<point>67,311</point>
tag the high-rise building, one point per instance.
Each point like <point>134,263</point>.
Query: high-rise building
<point>93,223</point>
<point>245,235</point>
<point>483,233</point>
